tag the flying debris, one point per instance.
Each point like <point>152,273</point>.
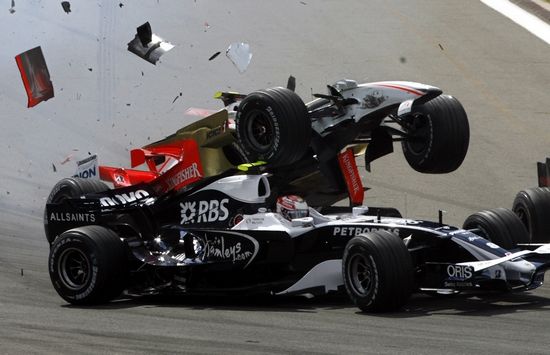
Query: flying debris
<point>200,112</point>
<point>54,168</point>
<point>67,159</point>
<point>291,83</point>
<point>12,10</point>
<point>87,168</point>
<point>177,97</point>
<point>239,54</point>
<point>35,76</point>
<point>147,45</point>
<point>214,55</point>
<point>66,6</point>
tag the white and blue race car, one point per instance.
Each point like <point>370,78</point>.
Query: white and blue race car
<point>229,234</point>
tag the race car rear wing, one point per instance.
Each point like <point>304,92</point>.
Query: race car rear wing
<point>164,174</point>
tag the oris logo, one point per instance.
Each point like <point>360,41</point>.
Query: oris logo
<point>204,211</point>
<point>460,272</point>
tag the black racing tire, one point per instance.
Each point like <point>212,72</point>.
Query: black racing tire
<point>533,208</point>
<point>273,126</point>
<point>440,136</point>
<point>378,271</point>
<point>88,265</point>
<point>500,226</point>
<point>71,188</point>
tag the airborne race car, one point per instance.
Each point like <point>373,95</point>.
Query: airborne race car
<point>193,224</point>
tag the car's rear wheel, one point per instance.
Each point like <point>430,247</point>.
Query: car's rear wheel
<point>273,126</point>
<point>533,208</point>
<point>87,265</point>
<point>378,271</point>
<point>439,136</point>
<point>500,226</point>
<point>71,188</point>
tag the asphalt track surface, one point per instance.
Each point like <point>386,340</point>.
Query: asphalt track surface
<point>108,101</point>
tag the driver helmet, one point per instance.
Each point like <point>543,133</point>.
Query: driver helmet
<point>292,206</point>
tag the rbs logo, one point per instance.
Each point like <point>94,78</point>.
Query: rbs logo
<point>204,211</point>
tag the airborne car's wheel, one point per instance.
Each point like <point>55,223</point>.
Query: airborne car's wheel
<point>273,125</point>
<point>533,208</point>
<point>87,265</point>
<point>71,188</point>
<point>440,135</point>
<point>378,271</point>
<point>500,225</point>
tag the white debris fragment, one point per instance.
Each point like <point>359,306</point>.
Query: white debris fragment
<point>239,53</point>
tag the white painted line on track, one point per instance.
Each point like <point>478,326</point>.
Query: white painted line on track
<point>523,18</point>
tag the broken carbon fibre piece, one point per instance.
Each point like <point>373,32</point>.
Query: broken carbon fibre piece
<point>35,76</point>
<point>147,45</point>
<point>66,6</point>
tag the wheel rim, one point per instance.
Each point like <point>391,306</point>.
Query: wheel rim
<point>362,273</point>
<point>260,130</point>
<point>74,269</point>
<point>522,214</point>
<point>419,130</point>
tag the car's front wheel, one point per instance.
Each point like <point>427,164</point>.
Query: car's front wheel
<point>500,226</point>
<point>87,265</point>
<point>533,208</point>
<point>378,271</point>
<point>439,135</point>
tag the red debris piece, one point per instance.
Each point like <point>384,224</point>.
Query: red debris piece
<point>35,76</point>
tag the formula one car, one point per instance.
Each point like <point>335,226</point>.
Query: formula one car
<point>532,205</point>
<point>231,234</point>
<point>312,145</point>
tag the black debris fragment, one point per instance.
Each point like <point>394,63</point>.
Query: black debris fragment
<point>128,104</point>
<point>291,83</point>
<point>303,3</point>
<point>66,6</point>
<point>147,45</point>
<point>7,192</point>
<point>214,55</point>
<point>12,10</point>
<point>440,46</point>
<point>145,34</point>
<point>141,73</point>
<point>120,5</point>
<point>402,59</point>
<point>54,168</point>
<point>177,97</point>
<point>22,272</point>
<point>90,69</point>
<point>35,76</point>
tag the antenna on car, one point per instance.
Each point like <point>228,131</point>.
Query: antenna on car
<point>441,216</point>
<point>291,83</point>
